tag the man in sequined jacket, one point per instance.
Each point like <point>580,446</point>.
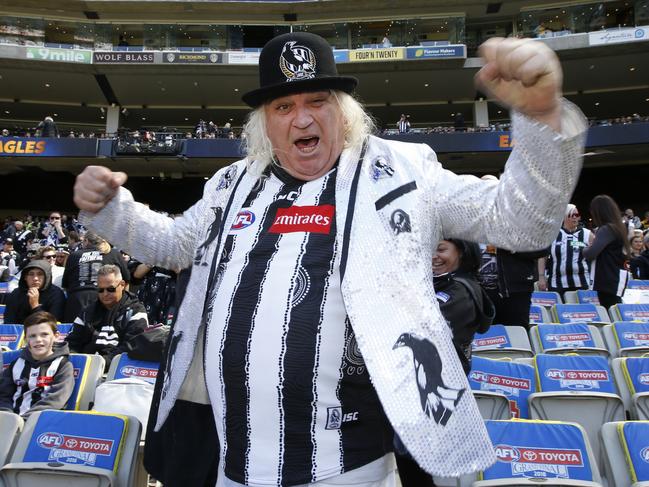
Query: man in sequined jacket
<point>322,210</point>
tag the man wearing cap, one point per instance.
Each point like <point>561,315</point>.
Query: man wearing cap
<point>8,256</point>
<point>309,309</point>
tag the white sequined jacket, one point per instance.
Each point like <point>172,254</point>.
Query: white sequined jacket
<point>390,212</point>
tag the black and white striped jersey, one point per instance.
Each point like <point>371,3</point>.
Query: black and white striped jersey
<point>567,268</point>
<point>291,395</point>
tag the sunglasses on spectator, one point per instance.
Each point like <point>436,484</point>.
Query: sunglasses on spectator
<point>575,214</point>
<point>49,256</point>
<point>110,289</point>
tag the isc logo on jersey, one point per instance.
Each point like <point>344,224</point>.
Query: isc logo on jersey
<point>244,219</point>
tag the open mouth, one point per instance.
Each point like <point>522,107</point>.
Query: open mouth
<point>307,144</point>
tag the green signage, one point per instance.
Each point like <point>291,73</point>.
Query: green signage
<point>59,55</point>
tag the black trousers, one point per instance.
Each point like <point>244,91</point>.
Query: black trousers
<point>411,474</point>
<point>608,299</point>
<point>513,310</point>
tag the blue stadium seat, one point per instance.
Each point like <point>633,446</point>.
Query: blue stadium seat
<point>629,312</point>
<point>582,296</point>
<point>546,298</point>
<point>538,314</point>
<point>513,380</point>
<point>11,337</point>
<point>579,389</point>
<point>88,370</point>
<point>7,357</point>
<point>580,313</point>
<point>2,313</point>
<point>64,330</point>
<point>626,453</point>
<point>580,338</point>
<point>502,341</point>
<point>627,338</point>
<point>637,284</point>
<point>632,377</point>
<point>123,366</point>
<point>538,452</point>
<point>74,448</point>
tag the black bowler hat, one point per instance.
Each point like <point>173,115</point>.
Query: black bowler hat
<point>294,63</point>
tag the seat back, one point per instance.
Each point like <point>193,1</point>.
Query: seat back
<point>579,338</point>
<point>514,380</point>
<point>637,284</point>
<point>11,336</point>
<point>579,389</point>
<point>580,313</point>
<point>626,449</point>
<point>2,313</point>
<point>630,312</point>
<point>10,426</point>
<point>502,341</point>
<point>535,450</point>
<point>88,370</point>
<point>7,357</point>
<point>74,448</point>
<point>122,366</point>
<point>538,314</point>
<point>546,298</point>
<point>635,376</point>
<point>627,338</point>
<point>64,330</point>
<point>587,296</point>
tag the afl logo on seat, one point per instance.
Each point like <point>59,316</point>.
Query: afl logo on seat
<point>244,219</point>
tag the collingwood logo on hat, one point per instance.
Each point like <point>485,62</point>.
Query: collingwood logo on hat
<point>297,62</point>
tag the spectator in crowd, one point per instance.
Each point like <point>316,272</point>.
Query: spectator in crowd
<point>201,129</point>
<point>23,238</point>
<point>566,268</point>
<point>9,257</point>
<point>227,130</point>
<point>458,122</point>
<point>48,254</point>
<point>386,42</point>
<point>609,251</point>
<point>637,245</point>
<point>634,221</point>
<point>48,127</point>
<point>52,232</point>
<point>42,377</point>
<point>640,264</point>
<point>35,292</point>
<point>467,309</point>
<point>80,275</point>
<point>8,230</point>
<point>305,131</point>
<point>107,325</point>
<point>157,291</point>
<point>403,124</point>
<point>645,221</point>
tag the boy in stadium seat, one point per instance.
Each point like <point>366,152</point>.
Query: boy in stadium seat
<point>42,377</point>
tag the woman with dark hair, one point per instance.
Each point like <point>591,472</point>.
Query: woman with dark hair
<point>467,310</point>
<point>609,251</point>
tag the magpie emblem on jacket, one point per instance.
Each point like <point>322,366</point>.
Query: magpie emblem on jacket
<point>297,62</point>
<point>400,222</point>
<point>437,400</point>
<point>381,168</point>
<point>227,179</point>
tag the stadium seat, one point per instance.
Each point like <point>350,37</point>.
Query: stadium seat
<point>626,448</point>
<point>580,313</point>
<point>512,380</point>
<point>63,448</point>
<point>64,330</point>
<point>629,312</point>
<point>123,366</point>
<point>546,298</point>
<point>580,338</point>
<point>502,341</point>
<point>2,313</point>
<point>7,357</point>
<point>637,284</point>
<point>88,370</point>
<point>627,338</point>
<point>578,389</point>
<point>11,337</point>
<point>632,377</point>
<point>583,296</point>
<point>537,453</point>
<point>10,426</point>
<point>539,314</point>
